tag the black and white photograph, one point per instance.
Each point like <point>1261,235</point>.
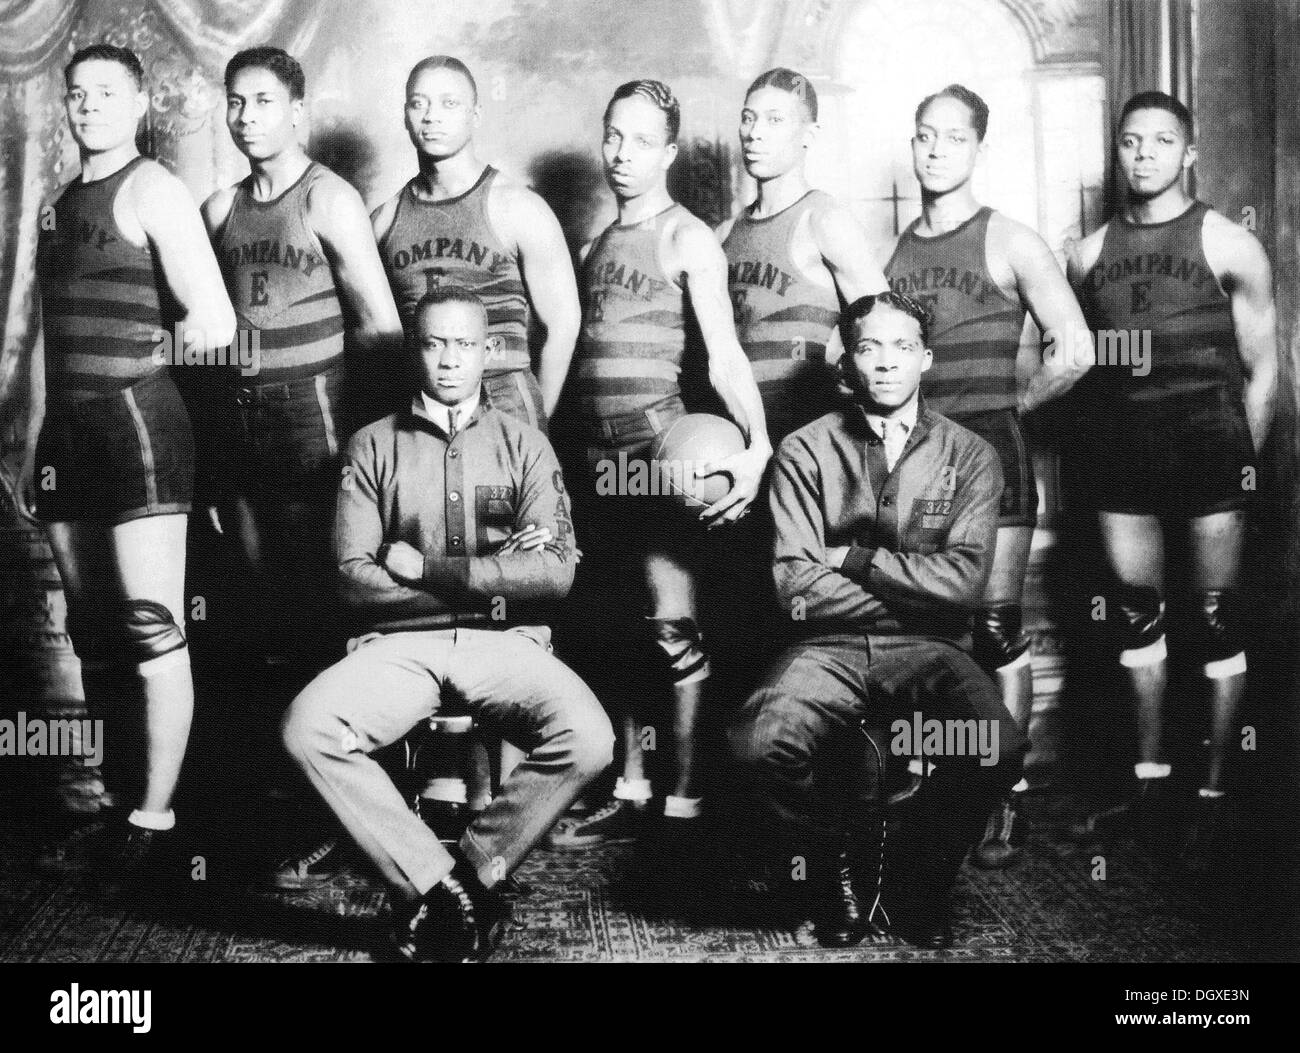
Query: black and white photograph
<point>650,481</point>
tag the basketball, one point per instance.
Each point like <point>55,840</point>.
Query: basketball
<point>692,440</point>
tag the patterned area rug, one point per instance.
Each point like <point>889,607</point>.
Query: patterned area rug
<point>618,904</point>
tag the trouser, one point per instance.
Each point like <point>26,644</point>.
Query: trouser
<point>517,394</point>
<point>275,478</point>
<point>807,771</point>
<point>509,680</point>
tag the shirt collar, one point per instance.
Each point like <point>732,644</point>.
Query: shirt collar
<point>907,418</point>
<point>424,405</point>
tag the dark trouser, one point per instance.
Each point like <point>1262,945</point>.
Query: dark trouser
<point>516,394</point>
<point>809,774</point>
<point>606,634</point>
<point>279,491</point>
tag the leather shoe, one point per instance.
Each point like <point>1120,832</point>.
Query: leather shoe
<point>452,924</point>
<point>1004,836</point>
<point>839,920</point>
<point>440,926</point>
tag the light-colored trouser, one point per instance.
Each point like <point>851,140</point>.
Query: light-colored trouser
<point>388,684</point>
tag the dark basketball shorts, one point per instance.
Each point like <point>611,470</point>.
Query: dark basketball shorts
<point>516,394</point>
<point>1183,457</point>
<point>279,440</point>
<point>618,524</point>
<point>1001,430</point>
<point>117,457</point>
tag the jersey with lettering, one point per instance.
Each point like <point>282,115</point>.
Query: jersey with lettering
<point>974,326</point>
<point>99,295</point>
<point>280,282</point>
<point>633,322</point>
<point>452,242</point>
<point>1162,324</point>
<point>784,314</point>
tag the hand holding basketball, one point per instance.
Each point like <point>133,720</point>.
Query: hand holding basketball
<point>746,471</point>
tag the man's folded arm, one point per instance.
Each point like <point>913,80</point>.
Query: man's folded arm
<point>804,580</point>
<point>956,576</point>
<point>541,574</point>
<point>365,587</point>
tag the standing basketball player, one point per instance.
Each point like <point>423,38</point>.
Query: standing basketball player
<point>793,257</point>
<point>122,248</point>
<point>459,222</point>
<point>978,272</point>
<point>1174,435</point>
<point>295,246</point>
<point>637,280</point>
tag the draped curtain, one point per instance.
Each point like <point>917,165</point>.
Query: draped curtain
<point>183,45</point>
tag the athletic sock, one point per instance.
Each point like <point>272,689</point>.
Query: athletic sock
<point>159,821</point>
<point>683,807</point>
<point>637,790</point>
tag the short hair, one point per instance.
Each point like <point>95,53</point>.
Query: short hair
<point>108,53</point>
<point>449,294</point>
<point>864,305</point>
<point>979,109</point>
<point>277,61</point>
<point>788,80</point>
<point>1159,100</point>
<point>653,91</point>
<point>443,62</point>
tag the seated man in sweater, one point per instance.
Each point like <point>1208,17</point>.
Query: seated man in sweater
<point>452,528</point>
<point>885,515</point>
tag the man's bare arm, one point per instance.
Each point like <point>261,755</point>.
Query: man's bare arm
<point>548,277</point>
<point>339,219</point>
<point>1239,261</point>
<point>843,246</point>
<point>704,268</point>
<point>1048,297</point>
<point>170,220</point>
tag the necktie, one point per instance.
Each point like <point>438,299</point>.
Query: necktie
<point>451,422</point>
<point>894,437</point>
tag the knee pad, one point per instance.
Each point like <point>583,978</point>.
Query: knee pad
<point>680,647</point>
<point>999,642</point>
<point>151,639</point>
<point>1219,641</point>
<point>90,639</point>
<point>1141,614</point>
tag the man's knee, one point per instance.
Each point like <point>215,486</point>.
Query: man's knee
<point>151,640</point>
<point>999,642</point>
<point>306,727</point>
<point>771,737</point>
<point>1219,641</point>
<point>593,741</point>
<point>92,637</point>
<point>1141,626</point>
<point>680,649</point>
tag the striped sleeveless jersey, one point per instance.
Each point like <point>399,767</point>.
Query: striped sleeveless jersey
<point>633,322</point>
<point>280,282</point>
<point>99,295</point>
<point>451,242</point>
<point>1154,278</point>
<point>975,327</point>
<point>784,315</point>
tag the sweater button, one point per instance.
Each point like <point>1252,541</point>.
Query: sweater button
<point>455,540</point>
<point>888,502</point>
<point>453,452</point>
<point>453,497</point>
